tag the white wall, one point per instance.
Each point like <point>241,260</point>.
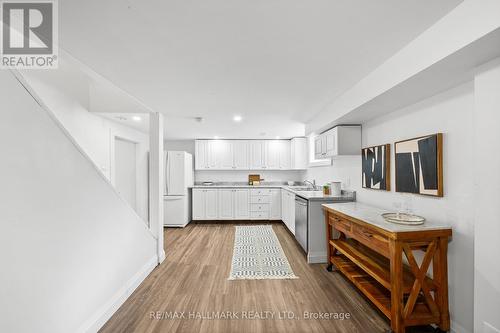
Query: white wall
<point>451,113</point>
<point>66,95</point>
<point>487,192</point>
<point>71,249</point>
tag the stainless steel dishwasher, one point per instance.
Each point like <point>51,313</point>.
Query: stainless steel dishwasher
<point>301,221</point>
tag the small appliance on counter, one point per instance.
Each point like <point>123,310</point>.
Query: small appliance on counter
<point>336,189</point>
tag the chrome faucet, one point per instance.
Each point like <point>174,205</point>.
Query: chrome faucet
<point>313,183</point>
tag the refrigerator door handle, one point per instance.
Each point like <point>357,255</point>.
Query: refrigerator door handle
<point>167,173</point>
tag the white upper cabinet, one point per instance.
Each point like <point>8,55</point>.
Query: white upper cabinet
<point>272,154</point>
<point>250,154</point>
<point>257,154</point>
<point>298,152</point>
<point>201,154</point>
<point>340,140</point>
<point>240,154</point>
<point>285,155</point>
<point>223,152</point>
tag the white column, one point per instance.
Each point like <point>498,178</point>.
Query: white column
<point>156,179</point>
<point>486,163</point>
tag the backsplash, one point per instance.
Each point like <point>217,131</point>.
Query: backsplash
<point>242,176</point>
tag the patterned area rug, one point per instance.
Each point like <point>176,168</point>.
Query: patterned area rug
<point>258,255</point>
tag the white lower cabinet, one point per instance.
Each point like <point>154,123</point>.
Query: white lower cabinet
<point>288,210</point>
<point>226,204</point>
<point>237,204</point>
<point>241,204</point>
<point>205,204</point>
<point>275,208</point>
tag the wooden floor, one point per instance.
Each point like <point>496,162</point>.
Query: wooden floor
<point>194,280</point>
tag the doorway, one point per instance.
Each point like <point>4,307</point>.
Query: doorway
<point>126,170</point>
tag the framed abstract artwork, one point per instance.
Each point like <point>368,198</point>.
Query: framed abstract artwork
<point>376,165</point>
<point>419,165</point>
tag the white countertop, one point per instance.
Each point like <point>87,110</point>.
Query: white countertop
<point>373,215</point>
<point>309,195</point>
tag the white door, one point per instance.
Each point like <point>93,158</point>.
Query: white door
<point>240,155</point>
<point>200,156</point>
<point>291,212</point>
<point>212,154</point>
<point>330,142</point>
<point>226,205</point>
<point>175,179</point>
<point>241,204</point>
<point>273,154</point>
<point>317,147</point>
<point>284,208</point>
<point>275,213</point>
<point>211,207</point>
<point>285,155</point>
<point>224,154</point>
<point>175,212</point>
<point>257,158</point>
<point>125,171</point>
<point>199,204</point>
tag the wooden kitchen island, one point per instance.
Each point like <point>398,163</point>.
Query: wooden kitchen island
<point>369,252</point>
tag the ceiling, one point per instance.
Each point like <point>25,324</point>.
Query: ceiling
<point>276,63</point>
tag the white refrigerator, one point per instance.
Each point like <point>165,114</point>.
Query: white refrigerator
<point>179,178</point>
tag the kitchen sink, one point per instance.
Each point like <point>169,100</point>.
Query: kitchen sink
<point>303,189</point>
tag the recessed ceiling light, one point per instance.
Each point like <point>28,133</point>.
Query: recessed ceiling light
<point>237,118</point>
<point>121,118</point>
<point>136,118</point>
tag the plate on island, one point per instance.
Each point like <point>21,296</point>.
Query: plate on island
<point>403,218</point>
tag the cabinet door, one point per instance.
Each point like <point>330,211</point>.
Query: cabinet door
<point>240,155</point>
<point>257,151</point>
<point>285,155</point>
<point>224,154</point>
<point>226,205</point>
<point>241,204</point>
<point>275,213</point>
<point>200,155</point>
<point>283,206</point>
<point>291,213</point>
<point>198,204</point>
<point>299,155</point>
<point>212,154</point>
<point>273,154</point>
<point>331,138</point>
<point>317,147</point>
<point>211,206</point>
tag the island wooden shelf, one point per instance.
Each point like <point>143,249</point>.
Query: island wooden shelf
<point>369,252</point>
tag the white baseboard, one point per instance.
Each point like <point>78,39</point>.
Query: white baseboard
<point>456,328</point>
<point>317,258</point>
<point>103,314</point>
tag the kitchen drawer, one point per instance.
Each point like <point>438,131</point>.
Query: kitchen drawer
<point>371,238</point>
<point>260,191</point>
<point>260,199</point>
<point>259,215</point>
<point>341,225</point>
<point>259,208</point>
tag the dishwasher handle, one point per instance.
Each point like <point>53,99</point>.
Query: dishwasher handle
<point>300,201</point>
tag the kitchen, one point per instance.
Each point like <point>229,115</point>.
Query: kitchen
<point>294,201</point>
<point>322,166</point>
